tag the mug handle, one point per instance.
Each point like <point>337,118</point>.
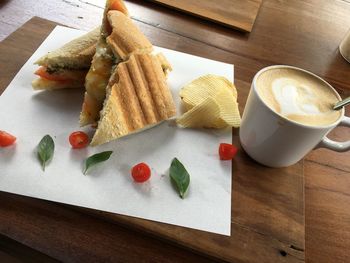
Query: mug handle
<point>333,145</point>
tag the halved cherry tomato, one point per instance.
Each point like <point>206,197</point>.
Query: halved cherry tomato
<point>78,139</point>
<point>141,172</point>
<point>227,151</point>
<point>6,139</point>
<point>118,5</point>
<point>42,72</point>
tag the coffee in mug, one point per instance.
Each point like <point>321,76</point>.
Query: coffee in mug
<point>289,113</point>
<point>298,96</point>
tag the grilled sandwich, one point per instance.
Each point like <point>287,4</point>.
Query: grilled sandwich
<point>137,98</point>
<point>119,37</point>
<point>67,66</point>
<point>126,89</point>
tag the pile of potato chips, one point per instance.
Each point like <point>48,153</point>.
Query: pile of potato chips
<point>210,102</point>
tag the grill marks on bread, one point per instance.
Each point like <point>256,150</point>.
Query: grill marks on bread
<point>138,97</point>
<point>125,38</point>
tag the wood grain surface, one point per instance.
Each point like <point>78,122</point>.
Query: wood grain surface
<point>299,33</point>
<point>232,13</point>
<point>66,235</point>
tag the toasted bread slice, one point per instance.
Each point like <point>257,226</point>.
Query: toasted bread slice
<point>111,5</point>
<point>76,54</point>
<point>125,38</point>
<point>45,84</point>
<point>137,98</point>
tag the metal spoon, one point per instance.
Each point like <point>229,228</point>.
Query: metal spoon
<point>339,105</point>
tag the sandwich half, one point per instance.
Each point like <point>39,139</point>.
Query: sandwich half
<point>67,66</point>
<point>138,98</point>
<point>126,89</point>
<point>119,38</point>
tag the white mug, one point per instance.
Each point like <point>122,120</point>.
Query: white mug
<point>275,141</point>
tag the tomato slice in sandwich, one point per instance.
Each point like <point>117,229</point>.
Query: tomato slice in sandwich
<point>62,76</point>
<point>42,72</point>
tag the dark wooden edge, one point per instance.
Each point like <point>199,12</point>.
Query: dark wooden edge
<point>22,253</point>
<point>245,29</point>
<point>8,71</point>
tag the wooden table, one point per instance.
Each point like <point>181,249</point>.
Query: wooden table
<point>300,33</point>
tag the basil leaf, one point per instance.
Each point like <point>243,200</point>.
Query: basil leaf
<point>95,159</point>
<point>179,177</point>
<point>46,148</point>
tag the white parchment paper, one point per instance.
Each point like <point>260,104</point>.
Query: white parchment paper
<point>30,115</point>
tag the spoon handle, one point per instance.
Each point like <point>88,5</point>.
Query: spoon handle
<point>341,104</point>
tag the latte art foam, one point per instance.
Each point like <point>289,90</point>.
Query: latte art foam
<point>298,96</point>
<point>294,98</point>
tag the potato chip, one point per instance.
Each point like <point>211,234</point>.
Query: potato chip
<point>229,112</point>
<point>202,115</point>
<point>211,102</point>
<point>203,87</point>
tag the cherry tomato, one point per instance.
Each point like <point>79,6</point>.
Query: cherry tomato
<point>6,139</point>
<point>227,151</point>
<point>141,172</point>
<point>78,139</point>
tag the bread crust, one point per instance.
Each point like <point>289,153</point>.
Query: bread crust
<point>76,54</point>
<point>45,84</point>
<point>126,37</point>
